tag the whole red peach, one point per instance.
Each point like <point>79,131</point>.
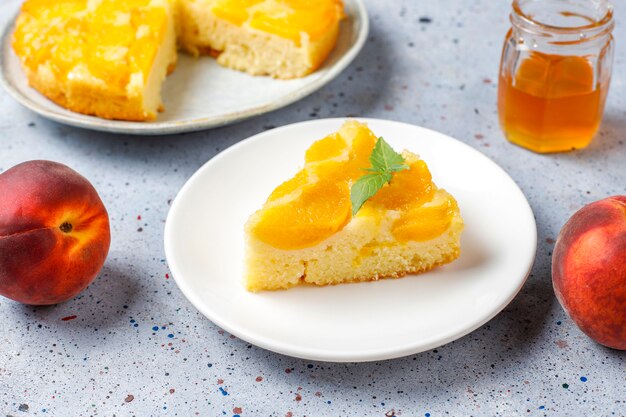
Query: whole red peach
<point>54,233</point>
<point>589,270</point>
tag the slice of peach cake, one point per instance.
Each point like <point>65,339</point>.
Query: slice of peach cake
<point>310,230</point>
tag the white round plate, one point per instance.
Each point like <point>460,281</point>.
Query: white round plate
<point>200,94</point>
<point>386,319</point>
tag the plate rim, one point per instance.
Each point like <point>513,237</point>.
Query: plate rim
<point>193,125</point>
<point>328,355</point>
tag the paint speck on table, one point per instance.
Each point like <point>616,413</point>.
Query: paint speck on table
<point>561,344</point>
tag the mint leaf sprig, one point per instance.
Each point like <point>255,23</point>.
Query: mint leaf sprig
<point>385,161</point>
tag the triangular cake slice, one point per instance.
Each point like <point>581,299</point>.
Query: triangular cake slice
<point>106,58</point>
<point>305,232</point>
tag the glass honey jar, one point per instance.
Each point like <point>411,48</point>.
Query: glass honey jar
<point>555,73</point>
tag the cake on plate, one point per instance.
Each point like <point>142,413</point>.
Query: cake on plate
<point>307,232</point>
<point>109,58</point>
<point>106,58</point>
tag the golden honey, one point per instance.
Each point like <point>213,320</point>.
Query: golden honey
<point>555,73</point>
<point>552,104</point>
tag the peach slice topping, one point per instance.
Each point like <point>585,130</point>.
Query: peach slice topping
<point>320,210</point>
<point>315,203</point>
<point>425,222</point>
<point>289,19</point>
<point>108,40</point>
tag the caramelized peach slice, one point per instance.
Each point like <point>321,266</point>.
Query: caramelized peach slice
<point>426,222</point>
<point>352,168</point>
<point>53,8</point>
<point>320,210</point>
<point>330,147</point>
<point>285,18</point>
<point>288,187</point>
<point>410,187</point>
<point>234,11</point>
<point>291,18</point>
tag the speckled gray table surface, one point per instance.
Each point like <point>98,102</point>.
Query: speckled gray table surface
<point>131,344</point>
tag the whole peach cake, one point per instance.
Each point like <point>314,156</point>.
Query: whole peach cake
<point>306,232</point>
<point>109,58</point>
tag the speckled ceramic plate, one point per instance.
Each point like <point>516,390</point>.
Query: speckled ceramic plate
<point>200,94</point>
<point>354,322</point>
